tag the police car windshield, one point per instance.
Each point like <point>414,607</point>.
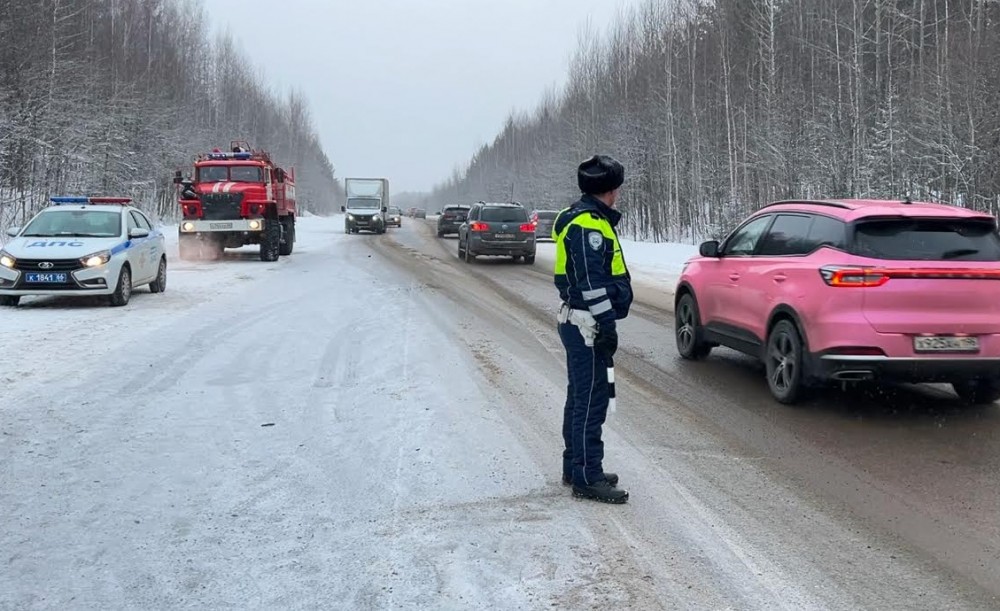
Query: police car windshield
<point>362,202</point>
<point>75,223</point>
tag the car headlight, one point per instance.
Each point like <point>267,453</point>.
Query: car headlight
<point>96,259</point>
<point>350,217</point>
<point>188,226</point>
<point>254,225</point>
<point>6,260</point>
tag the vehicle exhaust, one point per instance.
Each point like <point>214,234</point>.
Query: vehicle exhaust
<point>859,375</point>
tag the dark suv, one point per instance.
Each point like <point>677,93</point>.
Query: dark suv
<point>497,229</point>
<point>451,219</point>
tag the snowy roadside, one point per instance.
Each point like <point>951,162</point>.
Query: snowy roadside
<point>88,330</point>
<point>276,436</point>
<point>655,267</point>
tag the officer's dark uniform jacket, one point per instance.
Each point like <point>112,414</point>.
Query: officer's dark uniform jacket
<point>590,271</point>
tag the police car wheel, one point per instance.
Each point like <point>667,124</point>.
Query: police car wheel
<point>123,292</point>
<point>160,283</point>
<point>10,301</point>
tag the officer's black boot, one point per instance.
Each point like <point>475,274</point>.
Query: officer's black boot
<point>611,477</point>
<point>601,491</point>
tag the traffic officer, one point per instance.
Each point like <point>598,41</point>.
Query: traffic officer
<point>596,291</point>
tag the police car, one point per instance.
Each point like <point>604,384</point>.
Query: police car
<point>83,246</point>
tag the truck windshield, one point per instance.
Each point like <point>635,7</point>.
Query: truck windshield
<point>245,173</point>
<point>363,202</point>
<point>213,173</point>
<point>76,223</point>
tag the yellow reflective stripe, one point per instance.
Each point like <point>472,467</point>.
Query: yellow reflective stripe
<point>587,221</point>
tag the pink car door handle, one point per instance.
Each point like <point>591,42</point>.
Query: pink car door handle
<point>734,277</point>
<point>780,277</point>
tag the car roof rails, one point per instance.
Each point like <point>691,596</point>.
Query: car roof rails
<point>809,202</point>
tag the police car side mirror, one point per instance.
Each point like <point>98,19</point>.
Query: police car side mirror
<point>13,231</point>
<point>138,233</point>
<point>709,249</point>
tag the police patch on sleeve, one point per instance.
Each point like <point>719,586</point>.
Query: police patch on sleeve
<point>595,239</point>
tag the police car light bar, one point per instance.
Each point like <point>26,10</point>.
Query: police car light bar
<point>73,199</point>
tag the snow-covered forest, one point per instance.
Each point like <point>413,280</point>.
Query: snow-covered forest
<point>110,97</point>
<point>718,106</point>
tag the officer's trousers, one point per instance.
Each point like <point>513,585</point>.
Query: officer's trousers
<point>586,408</point>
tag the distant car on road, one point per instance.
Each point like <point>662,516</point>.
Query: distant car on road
<point>84,246</point>
<point>544,220</point>
<point>394,217</point>
<point>420,213</point>
<point>451,218</point>
<point>851,290</point>
<point>497,230</point>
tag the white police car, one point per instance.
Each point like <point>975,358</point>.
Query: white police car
<point>83,246</point>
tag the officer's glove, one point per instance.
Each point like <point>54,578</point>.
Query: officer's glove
<point>606,342</point>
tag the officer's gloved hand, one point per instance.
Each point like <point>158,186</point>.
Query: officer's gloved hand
<point>606,342</point>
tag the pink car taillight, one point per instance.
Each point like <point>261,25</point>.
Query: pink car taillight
<point>852,276</point>
<point>877,276</point>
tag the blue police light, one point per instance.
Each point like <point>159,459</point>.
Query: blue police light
<point>241,155</point>
<point>78,199</point>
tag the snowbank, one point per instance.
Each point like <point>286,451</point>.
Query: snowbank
<point>653,264</point>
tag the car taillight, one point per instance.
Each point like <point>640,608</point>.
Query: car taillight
<point>853,276</point>
<point>477,226</point>
<point>873,277</point>
<point>528,227</point>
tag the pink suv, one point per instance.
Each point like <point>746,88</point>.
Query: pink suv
<point>851,290</point>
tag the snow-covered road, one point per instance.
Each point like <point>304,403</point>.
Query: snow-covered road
<point>371,424</point>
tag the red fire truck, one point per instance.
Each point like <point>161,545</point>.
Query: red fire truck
<point>236,198</point>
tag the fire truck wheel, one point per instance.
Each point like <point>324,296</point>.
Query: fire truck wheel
<point>123,292</point>
<point>287,236</point>
<point>270,241</point>
<point>160,284</point>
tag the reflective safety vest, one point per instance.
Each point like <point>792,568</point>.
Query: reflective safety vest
<point>590,270</point>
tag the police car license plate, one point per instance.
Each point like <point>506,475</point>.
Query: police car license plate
<point>45,278</point>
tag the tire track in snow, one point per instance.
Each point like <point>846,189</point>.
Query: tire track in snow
<point>739,561</point>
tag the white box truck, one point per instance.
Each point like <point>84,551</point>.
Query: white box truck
<point>367,203</point>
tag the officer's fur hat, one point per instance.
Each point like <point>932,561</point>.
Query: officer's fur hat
<point>600,174</point>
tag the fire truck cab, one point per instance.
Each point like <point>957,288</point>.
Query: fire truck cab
<point>234,199</point>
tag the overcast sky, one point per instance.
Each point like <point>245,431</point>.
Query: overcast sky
<point>409,89</point>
